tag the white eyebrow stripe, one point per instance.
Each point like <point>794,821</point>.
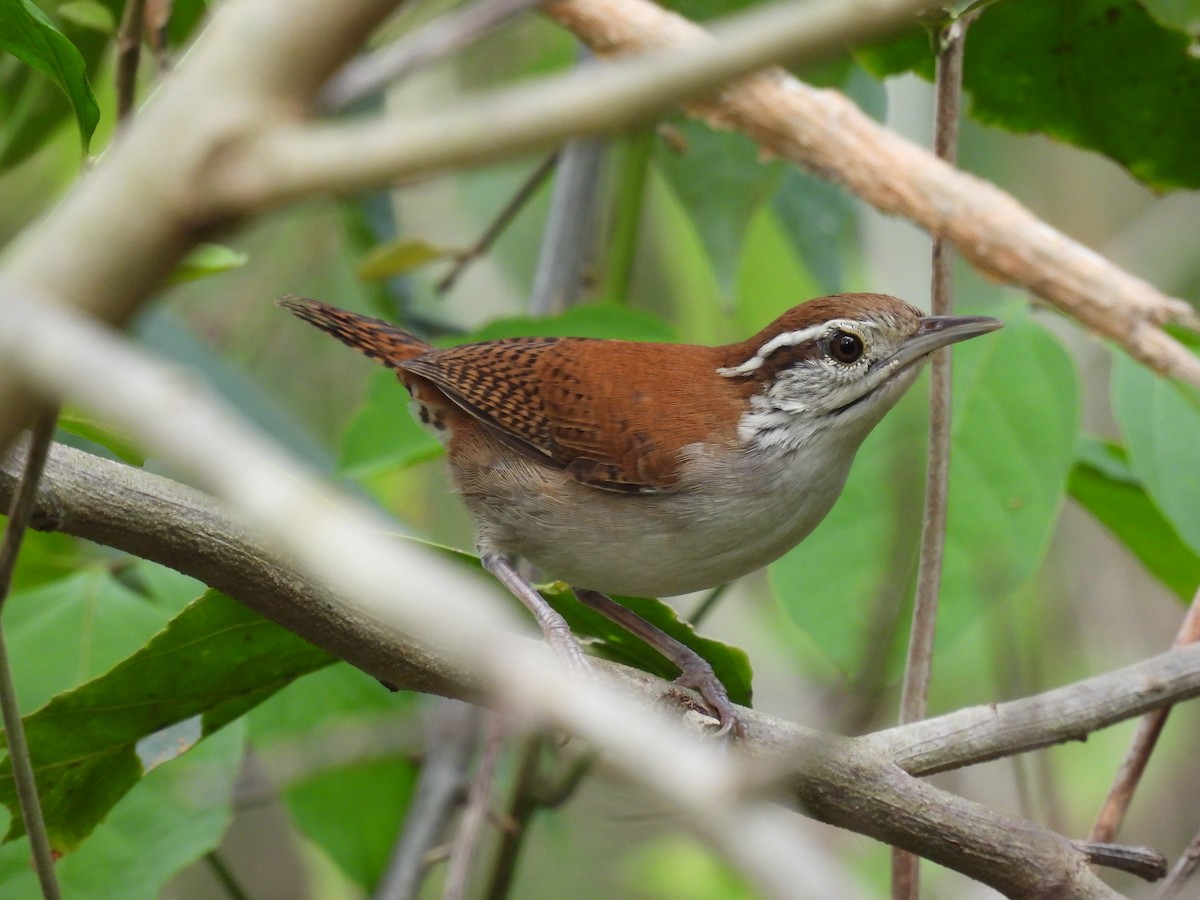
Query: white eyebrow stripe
<point>787,339</point>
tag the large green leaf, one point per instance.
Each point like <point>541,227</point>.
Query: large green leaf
<point>1160,421</point>
<point>352,796</point>
<point>171,818</point>
<point>721,179</point>
<point>1015,424</point>
<point>90,745</point>
<point>31,37</point>
<point>1101,74</point>
<point>1013,439</point>
<point>1104,484</point>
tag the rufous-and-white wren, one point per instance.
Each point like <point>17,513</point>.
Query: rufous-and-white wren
<point>655,469</point>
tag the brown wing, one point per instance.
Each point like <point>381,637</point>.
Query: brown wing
<point>612,414</point>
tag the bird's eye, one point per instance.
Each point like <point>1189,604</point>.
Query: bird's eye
<point>845,347</point>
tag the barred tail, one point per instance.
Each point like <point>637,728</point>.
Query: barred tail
<point>376,338</point>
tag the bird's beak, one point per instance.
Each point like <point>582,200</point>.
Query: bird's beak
<point>935,332</point>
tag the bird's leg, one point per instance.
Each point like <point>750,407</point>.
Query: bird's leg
<point>695,672</point>
<point>554,627</point>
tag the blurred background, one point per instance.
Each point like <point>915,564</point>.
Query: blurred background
<point>689,235</point>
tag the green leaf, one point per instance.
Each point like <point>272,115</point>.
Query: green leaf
<point>1105,485</point>
<point>91,745</point>
<point>860,559</point>
<point>1015,424</point>
<point>1183,15</point>
<point>679,868</point>
<point>89,14</point>
<point>1160,421</point>
<point>721,179</point>
<point>171,818</point>
<point>29,35</point>
<point>1100,74</point>
<point>820,220</point>
<point>325,715</point>
<point>106,434</point>
<point>595,320</point>
<point>205,260</point>
<point>1013,441</point>
<point>399,257</point>
<point>384,435</point>
<point>731,664</point>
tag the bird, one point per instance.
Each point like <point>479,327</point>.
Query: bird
<point>654,469</point>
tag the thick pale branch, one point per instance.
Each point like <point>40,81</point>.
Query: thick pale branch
<point>826,133</point>
<point>854,783</point>
<point>295,161</point>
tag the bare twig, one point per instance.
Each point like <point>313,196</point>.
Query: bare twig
<point>1129,775</point>
<point>514,205</point>
<point>129,55</point>
<point>221,872</point>
<point>1183,869</point>
<point>465,849</point>
<point>440,38</point>
<point>1147,864</point>
<point>918,669</point>
<point>20,512</point>
<point>452,739</point>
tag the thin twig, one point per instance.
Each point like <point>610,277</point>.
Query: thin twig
<point>440,38</point>
<point>129,55</point>
<point>532,791</point>
<point>225,876</point>
<point>708,604</point>
<point>1183,869</point>
<point>479,800</point>
<point>1145,863</point>
<point>19,515</point>
<point>515,204</point>
<point>1129,775</point>
<point>919,665</point>
<point>453,737</point>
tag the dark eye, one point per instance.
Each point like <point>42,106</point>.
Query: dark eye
<point>845,347</point>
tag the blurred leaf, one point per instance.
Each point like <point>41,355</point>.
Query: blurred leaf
<point>860,559</point>
<point>212,663</point>
<point>1160,421</point>
<point>205,260</point>
<point>384,434</point>
<point>721,179</point>
<point>378,792</point>
<point>186,15</point>
<point>1104,484</point>
<point>31,37</point>
<point>1015,423</point>
<point>1183,15</point>
<point>594,320</point>
<point>820,220</point>
<point>1101,74</point>
<point>1014,431</point>
<point>106,434</point>
<point>731,664</point>
<point>171,818</point>
<point>46,556</point>
<point>399,257</point>
<point>89,14</point>
<point>678,868</point>
<point>339,728</point>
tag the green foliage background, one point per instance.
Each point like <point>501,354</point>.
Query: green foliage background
<point>1075,519</point>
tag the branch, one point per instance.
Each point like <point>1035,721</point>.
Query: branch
<point>859,786</point>
<point>827,134</point>
<point>297,160</point>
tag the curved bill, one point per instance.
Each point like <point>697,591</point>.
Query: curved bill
<point>935,332</point>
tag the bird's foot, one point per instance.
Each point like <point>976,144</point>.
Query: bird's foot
<point>699,676</point>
